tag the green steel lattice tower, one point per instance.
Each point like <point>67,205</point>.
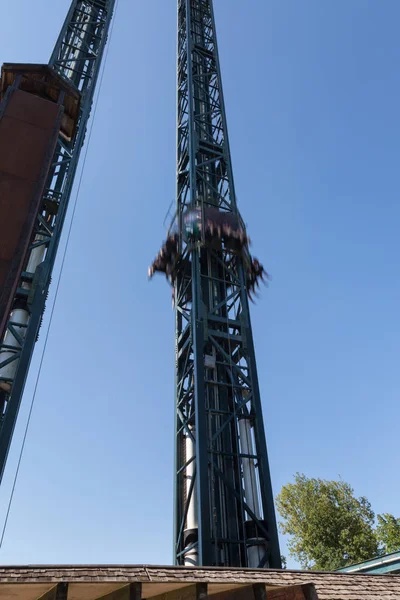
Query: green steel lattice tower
<point>224,509</point>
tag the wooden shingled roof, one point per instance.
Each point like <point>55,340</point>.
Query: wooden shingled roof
<point>177,583</point>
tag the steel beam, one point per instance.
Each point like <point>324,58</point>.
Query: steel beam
<point>131,591</point>
<point>58,592</point>
<point>197,591</point>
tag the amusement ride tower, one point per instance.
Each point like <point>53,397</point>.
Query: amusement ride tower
<point>224,508</point>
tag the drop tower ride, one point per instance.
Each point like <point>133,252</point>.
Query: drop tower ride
<point>224,508</point>
<point>44,111</point>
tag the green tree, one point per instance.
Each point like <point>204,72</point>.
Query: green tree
<point>388,533</point>
<point>328,527</point>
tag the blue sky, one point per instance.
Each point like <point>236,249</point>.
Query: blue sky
<point>312,94</point>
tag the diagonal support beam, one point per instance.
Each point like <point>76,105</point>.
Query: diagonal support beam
<point>58,592</point>
<point>131,591</point>
<point>198,591</point>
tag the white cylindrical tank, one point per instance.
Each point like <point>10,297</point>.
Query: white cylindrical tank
<point>256,546</point>
<point>191,520</point>
<point>191,529</point>
<point>20,319</point>
<point>255,552</point>
<point>36,256</point>
<point>249,469</point>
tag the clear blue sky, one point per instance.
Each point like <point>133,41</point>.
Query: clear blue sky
<point>313,94</point>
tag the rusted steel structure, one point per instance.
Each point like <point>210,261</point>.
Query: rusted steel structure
<point>224,507</point>
<point>44,112</point>
<point>29,128</point>
<point>37,107</point>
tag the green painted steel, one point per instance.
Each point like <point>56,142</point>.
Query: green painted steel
<point>216,376</point>
<point>381,565</point>
<point>77,57</point>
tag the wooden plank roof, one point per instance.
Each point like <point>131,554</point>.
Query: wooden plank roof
<point>92,582</point>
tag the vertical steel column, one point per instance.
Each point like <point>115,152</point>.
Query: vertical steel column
<point>224,509</point>
<point>77,57</point>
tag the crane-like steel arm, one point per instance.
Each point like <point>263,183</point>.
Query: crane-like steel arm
<point>77,59</point>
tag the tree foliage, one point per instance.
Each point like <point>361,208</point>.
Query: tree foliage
<point>388,533</point>
<point>329,527</point>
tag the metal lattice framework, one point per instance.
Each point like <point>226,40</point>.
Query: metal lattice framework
<point>224,510</point>
<point>77,57</point>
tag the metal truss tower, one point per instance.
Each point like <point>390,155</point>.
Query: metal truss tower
<point>75,64</point>
<point>224,508</point>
